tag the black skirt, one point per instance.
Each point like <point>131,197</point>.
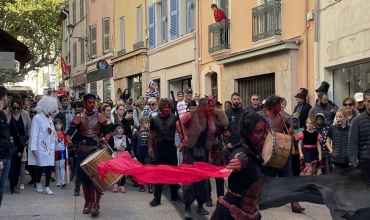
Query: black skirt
<point>310,154</point>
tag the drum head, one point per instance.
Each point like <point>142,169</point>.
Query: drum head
<point>91,157</point>
<point>267,147</point>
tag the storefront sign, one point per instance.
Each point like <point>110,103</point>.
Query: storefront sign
<point>64,66</point>
<point>102,65</point>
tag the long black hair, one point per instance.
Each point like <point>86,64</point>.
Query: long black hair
<point>247,123</point>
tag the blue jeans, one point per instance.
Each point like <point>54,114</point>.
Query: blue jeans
<point>179,154</point>
<point>72,165</point>
<point>3,177</point>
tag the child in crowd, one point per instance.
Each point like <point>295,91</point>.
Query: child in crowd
<point>60,154</point>
<point>310,148</point>
<point>191,105</point>
<point>323,128</point>
<point>152,92</point>
<point>296,170</point>
<point>120,144</point>
<point>140,147</point>
<point>337,140</point>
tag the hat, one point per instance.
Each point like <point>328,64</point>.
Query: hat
<point>324,87</point>
<point>97,97</point>
<point>151,83</point>
<point>320,115</point>
<point>302,93</point>
<point>118,124</point>
<point>188,90</point>
<point>359,97</point>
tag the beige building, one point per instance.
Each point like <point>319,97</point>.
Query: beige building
<point>100,31</point>
<point>172,44</point>
<point>265,47</point>
<point>130,48</point>
<point>343,47</point>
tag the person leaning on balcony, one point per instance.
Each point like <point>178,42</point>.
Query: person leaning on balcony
<point>218,14</point>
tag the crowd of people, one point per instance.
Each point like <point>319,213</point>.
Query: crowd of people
<point>48,133</point>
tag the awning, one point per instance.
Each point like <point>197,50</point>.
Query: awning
<point>10,44</point>
<point>18,89</point>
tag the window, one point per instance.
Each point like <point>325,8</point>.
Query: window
<point>74,52</point>
<point>93,88</point>
<point>135,86</point>
<point>158,21</point>
<point>139,24</point>
<point>74,12</point>
<point>151,22</point>
<point>186,83</point>
<point>82,9</point>
<point>106,36</point>
<point>106,89</point>
<point>164,21</point>
<point>224,6</point>
<point>82,50</point>
<point>350,80</point>
<point>189,14</point>
<point>122,33</point>
<point>93,41</point>
<point>174,22</point>
<point>185,17</point>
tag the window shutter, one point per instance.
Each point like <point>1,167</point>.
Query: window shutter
<point>106,36</point>
<point>190,16</point>
<point>139,24</point>
<point>74,12</point>
<point>74,54</point>
<point>82,8</point>
<point>93,41</point>
<point>82,45</point>
<point>174,31</point>
<point>164,21</point>
<point>151,18</point>
<point>122,33</point>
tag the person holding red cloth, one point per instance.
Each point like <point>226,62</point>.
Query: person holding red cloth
<point>218,14</point>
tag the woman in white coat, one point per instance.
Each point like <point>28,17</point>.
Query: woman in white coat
<point>42,141</point>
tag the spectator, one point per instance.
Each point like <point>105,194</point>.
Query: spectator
<point>283,105</point>
<point>126,97</point>
<point>349,104</point>
<point>68,111</point>
<point>152,92</point>
<point>191,105</point>
<point>255,105</point>
<point>227,105</point>
<point>302,108</point>
<point>120,116</point>
<point>181,105</point>
<point>360,102</point>
<point>359,133</point>
<point>197,98</point>
<point>325,108</point>
<point>4,143</point>
<point>137,112</point>
<point>152,110</point>
<point>324,87</point>
<point>218,105</point>
<point>188,95</point>
<point>233,115</point>
<point>78,107</point>
<point>218,14</point>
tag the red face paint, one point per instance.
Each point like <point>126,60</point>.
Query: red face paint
<point>209,108</point>
<point>165,111</point>
<point>89,105</point>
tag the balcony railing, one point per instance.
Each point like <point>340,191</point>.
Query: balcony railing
<point>266,20</point>
<point>219,36</point>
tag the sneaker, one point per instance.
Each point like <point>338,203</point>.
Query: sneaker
<point>63,184</point>
<point>115,188</point>
<point>47,191</point>
<point>21,186</point>
<point>39,187</point>
<point>57,184</point>
<point>123,190</point>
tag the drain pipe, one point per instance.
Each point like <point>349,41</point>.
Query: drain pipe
<point>305,60</point>
<point>197,84</point>
<point>316,44</point>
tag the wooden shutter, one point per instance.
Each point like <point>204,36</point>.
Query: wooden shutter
<point>74,54</point>
<point>139,24</point>
<point>164,21</point>
<point>82,47</point>
<point>190,16</point>
<point>106,36</point>
<point>82,9</point>
<point>93,41</point>
<point>174,31</point>
<point>122,32</point>
<point>151,22</point>
<point>74,12</point>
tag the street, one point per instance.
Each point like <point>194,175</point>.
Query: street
<point>130,205</point>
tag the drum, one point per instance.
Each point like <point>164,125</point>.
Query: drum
<point>90,166</point>
<point>277,149</point>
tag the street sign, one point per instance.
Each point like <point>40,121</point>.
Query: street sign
<point>7,60</point>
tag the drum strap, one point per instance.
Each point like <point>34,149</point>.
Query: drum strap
<point>287,130</point>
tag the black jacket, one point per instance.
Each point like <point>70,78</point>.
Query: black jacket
<point>234,115</point>
<point>303,114</point>
<point>358,140</point>
<point>339,139</point>
<point>4,137</point>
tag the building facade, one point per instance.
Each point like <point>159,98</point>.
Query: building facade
<point>130,52</point>
<point>265,47</point>
<point>343,47</point>
<point>172,44</point>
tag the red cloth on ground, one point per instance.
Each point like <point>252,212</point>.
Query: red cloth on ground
<point>166,174</point>
<point>219,15</point>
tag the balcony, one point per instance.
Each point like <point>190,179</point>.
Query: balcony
<point>219,37</point>
<point>266,20</point>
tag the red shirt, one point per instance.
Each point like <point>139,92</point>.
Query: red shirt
<point>219,15</point>
<point>61,92</point>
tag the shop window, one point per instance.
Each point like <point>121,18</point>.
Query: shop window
<point>186,83</point>
<point>214,85</point>
<point>93,88</point>
<point>262,85</point>
<point>135,86</point>
<point>106,89</point>
<point>350,80</point>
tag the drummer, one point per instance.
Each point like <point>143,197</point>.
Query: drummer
<point>279,123</point>
<point>89,124</point>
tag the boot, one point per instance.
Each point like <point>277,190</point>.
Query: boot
<point>297,208</point>
<point>188,214</point>
<point>201,210</point>
<point>95,194</point>
<point>87,206</point>
<point>209,202</point>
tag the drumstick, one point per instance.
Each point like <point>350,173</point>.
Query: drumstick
<point>67,169</point>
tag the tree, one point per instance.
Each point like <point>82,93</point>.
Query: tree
<point>34,23</point>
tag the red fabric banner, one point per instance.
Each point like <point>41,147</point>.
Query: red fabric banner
<point>166,174</point>
<point>64,66</point>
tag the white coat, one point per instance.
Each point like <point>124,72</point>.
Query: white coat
<point>42,141</point>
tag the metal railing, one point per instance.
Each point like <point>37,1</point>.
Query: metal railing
<point>266,20</point>
<point>219,36</point>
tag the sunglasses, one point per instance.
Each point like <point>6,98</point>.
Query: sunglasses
<point>33,112</point>
<point>151,104</point>
<point>188,92</point>
<point>16,108</point>
<point>255,99</point>
<point>347,104</point>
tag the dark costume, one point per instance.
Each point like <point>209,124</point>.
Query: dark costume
<point>89,126</point>
<point>164,149</point>
<point>240,202</point>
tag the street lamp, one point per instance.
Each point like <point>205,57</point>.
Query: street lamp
<point>70,29</point>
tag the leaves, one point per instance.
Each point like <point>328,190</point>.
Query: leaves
<point>34,23</point>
